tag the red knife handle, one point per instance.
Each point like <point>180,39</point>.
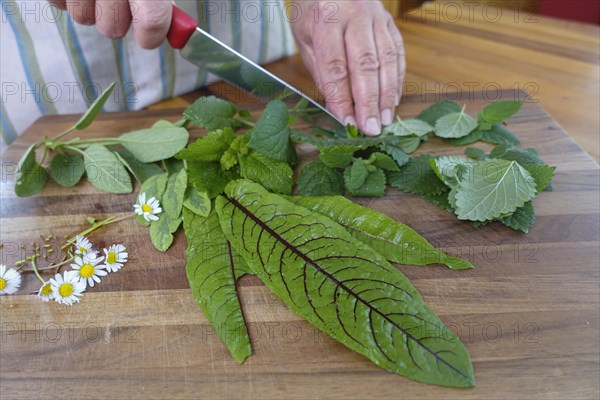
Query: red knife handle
<point>182,27</point>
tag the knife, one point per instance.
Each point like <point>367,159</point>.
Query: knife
<point>208,52</point>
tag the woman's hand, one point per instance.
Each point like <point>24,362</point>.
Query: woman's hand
<point>150,19</point>
<point>356,55</point>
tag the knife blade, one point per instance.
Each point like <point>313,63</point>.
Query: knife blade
<point>208,52</point>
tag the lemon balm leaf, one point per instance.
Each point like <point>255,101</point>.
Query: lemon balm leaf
<point>455,125</point>
<point>408,127</point>
<point>271,136</point>
<point>500,111</point>
<point>436,111</point>
<point>211,113</point>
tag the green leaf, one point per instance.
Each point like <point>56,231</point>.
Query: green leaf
<point>208,148</point>
<point>522,156</point>
<point>449,169</point>
<point>274,175</point>
<point>439,200</point>
<point>455,125</point>
<point>500,135</point>
<point>522,219</point>
<point>155,144</point>
<point>418,177</point>
<point>89,116</point>
<point>271,136</point>
<point>172,198</point>
<point>67,170</point>
<point>31,177</point>
<point>172,165</point>
<point>542,175</point>
<point>197,202</point>
<point>141,171</point>
<point>408,144</point>
<point>408,127</point>
<point>341,286</point>
<point>211,267</point>
<point>472,137</point>
<point>338,156</point>
<point>356,174</point>
<point>397,242</point>
<point>228,160</point>
<point>436,111</point>
<point>161,231</point>
<point>493,188</point>
<point>104,170</point>
<point>397,153</point>
<point>383,161</point>
<point>317,179</point>
<point>153,187</point>
<point>374,185</point>
<point>209,177</point>
<point>211,113</point>
<point>474,152</point>
<point>500,111</point>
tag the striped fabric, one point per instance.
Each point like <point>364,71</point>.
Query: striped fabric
<point>52,65</point>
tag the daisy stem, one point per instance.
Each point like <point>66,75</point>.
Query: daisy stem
<point>36,270</point>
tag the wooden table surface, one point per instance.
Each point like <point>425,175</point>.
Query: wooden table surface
<point>528,313</point>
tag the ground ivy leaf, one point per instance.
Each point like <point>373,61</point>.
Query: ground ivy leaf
<point>318,179</point>
<point>436,111</point>
<point>383,161</point>
<point>524,157</point>
<point>374,185</point>
<point>338,156</point>
<point>274,175</point>
<point>472,137</point>
<point>542,174</point>
<point>211,267</point>
<point>89,116</point>
<point>155,144</point>
<point>418,177</point>
<point>67,170</point>
<point>104,170</point>
<point>141,171</point>
<point>209,177</point>
<point>208,148</point>
<point>172,198</point>
<point>500,135</point>
<point>197,202</point>
<point>356,174</point>
<point>153,187</point>
<point>493,188</point>
<point>397,242</point>
<point>271,136</point>
<point>211,113</point>
<point>31,177</point>
<point>500,111</point>
<point>341,286</point>
<point>397,153</point>
<point>522,219</point>
<point>455,125</point>
<point>408,127</point>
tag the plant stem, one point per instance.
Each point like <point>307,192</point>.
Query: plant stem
<point>97,225</point>
<point>63,133</point>
<point>74,149</point>
<point>36,271</point>
<point>246,122</point>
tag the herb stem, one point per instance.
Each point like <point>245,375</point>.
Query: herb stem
<point>246,122</point>
<point>36,271</point>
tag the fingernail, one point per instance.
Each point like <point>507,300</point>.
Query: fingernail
<point>386,117</point>
<point>372,127</point>
<point>350,121</point>
<point>397,99</point>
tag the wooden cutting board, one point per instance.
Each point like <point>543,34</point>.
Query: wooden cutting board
<point>528,313</point>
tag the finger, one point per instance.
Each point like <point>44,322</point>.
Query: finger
<point>151,21</point>
<point>82,11</point>
<point>62,4</point>
<point>399,42</point>
<point>388,73</point>
<point>364,76</point>
<point>113,18</point>
<point>332,72</point>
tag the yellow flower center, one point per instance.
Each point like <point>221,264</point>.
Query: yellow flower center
<point>2,283</point>
<point>86,271</point>
<point>146,208</point>
<point>65,290</point>
<point>111,258</point>
<point>46,290</point>
<point>82,249</point>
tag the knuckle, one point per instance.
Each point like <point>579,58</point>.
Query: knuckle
<point>389,57</point>
<point>367,62</point>
<point>336,70</point>
<point>154,22</point>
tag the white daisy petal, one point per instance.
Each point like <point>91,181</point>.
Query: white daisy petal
<point>10,280</point>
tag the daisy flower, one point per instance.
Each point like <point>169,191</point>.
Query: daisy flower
<point>147,209</point>
<point>45,293</point>
<point>114,257</point>
<point>10,281</point>
<point>68,288</point>
<point>88,270</point>
<point>82,245</point>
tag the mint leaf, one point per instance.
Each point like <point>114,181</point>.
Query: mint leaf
<point>338,156</point>
<point>31,177</point>
<point>500,135</point>
<point>500,111</point>
<point>209,177</point>
<point>67,170</point>
<point>211,113</point>
<point>383,161</point>
<point>274,175</point>
<point>208,148</point>
<point>418,177</point>
<point>493,188</point>
<point>228,160</point>
<point>436,111</point>
<point>172,199</point>
<point>141,171</point>
<point>455,125</point>
<point>318,179</point>
<point>104,170</point>
<point>408,127</point>
<point>155,144</point>
<point>522,156</point>
<point>396,153</point>
<point>472,137</point>
<point>522,219</point>
<point>197,202</point>
<point>89,116</point>
<point>374,185</point>
<point>271,136</point>
<point>542,174</point>
<point>356,174</point>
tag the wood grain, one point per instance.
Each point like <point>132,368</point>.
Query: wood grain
<point>528,313</point>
